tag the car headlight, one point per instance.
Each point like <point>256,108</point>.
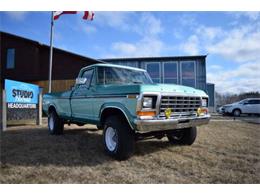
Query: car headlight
<point>148,102</point>
<point>204,102</point>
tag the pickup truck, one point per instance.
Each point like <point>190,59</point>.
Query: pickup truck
<point>128,106</point>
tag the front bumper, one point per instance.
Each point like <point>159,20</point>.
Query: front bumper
<point>170,124</point>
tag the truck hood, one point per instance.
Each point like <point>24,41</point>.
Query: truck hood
<point>168,88</point>
<point>162,88</point>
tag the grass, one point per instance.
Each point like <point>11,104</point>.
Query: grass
<point>224,152</point>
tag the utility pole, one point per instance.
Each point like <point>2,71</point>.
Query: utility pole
<point>51,53</point>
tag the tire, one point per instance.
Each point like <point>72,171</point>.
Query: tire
<point>236,112</point>
<point>118,138</point>
<point>55,124</point>
<point>183,136</point>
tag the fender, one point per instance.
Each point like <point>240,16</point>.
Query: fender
<point>50,106</point>
<point>122,108</point>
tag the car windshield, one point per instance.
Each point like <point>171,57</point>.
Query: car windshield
<point>112,75</point>
<point>242,101</point>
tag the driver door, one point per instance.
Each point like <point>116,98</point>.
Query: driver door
<point>81,101</point>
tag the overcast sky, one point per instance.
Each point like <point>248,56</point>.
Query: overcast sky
<point>231,39</point>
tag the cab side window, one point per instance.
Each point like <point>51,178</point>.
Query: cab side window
<point>88,74</point>
<point>101,75</point>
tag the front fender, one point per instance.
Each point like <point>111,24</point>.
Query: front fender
<point>130,118</point>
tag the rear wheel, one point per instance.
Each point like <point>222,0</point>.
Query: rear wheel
<point>183,136</point>
<point>55,124</point>
<point>118,138</point>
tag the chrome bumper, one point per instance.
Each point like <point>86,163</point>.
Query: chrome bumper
<point>170,124</point>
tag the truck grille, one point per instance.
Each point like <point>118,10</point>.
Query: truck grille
<point>180,105</point>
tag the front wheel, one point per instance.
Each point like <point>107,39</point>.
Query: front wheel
<point>183,136</point>
<point>55,124</point>
<point>118,138</point>
<point>236,112</point>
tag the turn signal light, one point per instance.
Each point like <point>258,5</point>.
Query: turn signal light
<point>146,113</point>
<point>202,111</point>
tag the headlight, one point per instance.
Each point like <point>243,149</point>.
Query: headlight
<point>148,102</point>
<point>204,102</point>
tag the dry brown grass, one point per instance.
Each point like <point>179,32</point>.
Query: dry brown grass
<point>224,152</point>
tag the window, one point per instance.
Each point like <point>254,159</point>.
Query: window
<point>88,75</point>
<point>153,69</point>
<point>170,72</point>
<point>188,73</point>
<point>111,75</point>
<point>10,59</point>
<point>243,102</point>
<point>254,102</point>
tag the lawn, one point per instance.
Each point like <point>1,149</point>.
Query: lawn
<point>224,152</point>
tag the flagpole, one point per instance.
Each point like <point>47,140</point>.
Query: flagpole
<point>51,53</point>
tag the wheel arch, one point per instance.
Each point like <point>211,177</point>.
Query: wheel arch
<point>51,108</point>
<point>113,110</point>
<point>237,109</point>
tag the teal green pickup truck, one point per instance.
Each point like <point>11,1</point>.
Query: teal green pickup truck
<point>128,106</point>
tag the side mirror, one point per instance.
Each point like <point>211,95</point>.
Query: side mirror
<point>81,81</point>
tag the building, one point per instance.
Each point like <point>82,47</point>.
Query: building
<point>211,92</point>
<point>183,70</point>
<point>27,60</point>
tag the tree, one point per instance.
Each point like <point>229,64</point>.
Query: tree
<point>222,99</point>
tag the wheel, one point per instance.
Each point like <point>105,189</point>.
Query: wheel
<point>118,138</point>
<point>236,112</point>
<point>183,136</point>
<point>55,124</point>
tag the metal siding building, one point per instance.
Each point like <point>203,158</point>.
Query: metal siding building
<point>211,93</point>
<point>184,70</point>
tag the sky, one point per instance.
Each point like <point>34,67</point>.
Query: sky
<point>231,40</point>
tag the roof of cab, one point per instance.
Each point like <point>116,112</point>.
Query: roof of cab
<point>112,65</point>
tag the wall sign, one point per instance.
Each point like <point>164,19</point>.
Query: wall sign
<point>20,94</point>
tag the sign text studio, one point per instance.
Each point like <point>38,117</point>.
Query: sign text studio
<point>21,95</point>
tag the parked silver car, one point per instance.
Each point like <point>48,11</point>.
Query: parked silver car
<point>246,106</point>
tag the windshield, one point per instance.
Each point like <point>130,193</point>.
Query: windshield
<point>112,75</point>
<point>242,101</point>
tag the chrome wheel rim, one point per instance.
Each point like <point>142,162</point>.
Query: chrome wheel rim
<point>237,113</point>
<point>111,139</point>
<point>51,123</point>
